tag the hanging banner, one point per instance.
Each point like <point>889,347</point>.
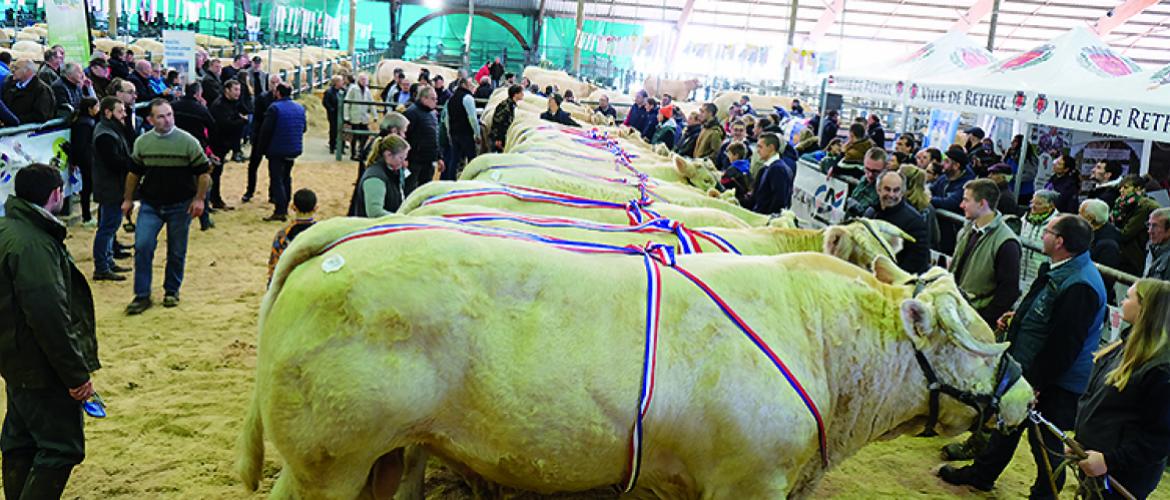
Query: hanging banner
<point>943,127</point>
<point>179,53</point>
<point>46,146</point>
<point>68,22</point>
<point>865,87</point>
<point>252,25</point>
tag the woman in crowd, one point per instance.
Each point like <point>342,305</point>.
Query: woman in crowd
<point>556,114</point>
<point>81,124</point>
<point>1066,182</point>
<point>918,196</point>
<point>1123,420</point>
<point>380,190</point>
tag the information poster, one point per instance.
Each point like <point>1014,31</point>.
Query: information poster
<point>179,53</point>
<point>48,146</point>
<point>943,127</point>
<point>69,27</point>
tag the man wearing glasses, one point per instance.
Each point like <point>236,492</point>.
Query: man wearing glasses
<point>865,195</point>
<point>1158,257</point>
<point>1053,338</point>
<point>126,93</point>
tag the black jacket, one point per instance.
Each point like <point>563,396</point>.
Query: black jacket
<point>212,87</point>
<point>142,87</point>
<point>457,122</point>
<point>65,92</point>
<point>32,104</point>
<point>829,133</point>
<point>331,100</point>
<point>229,125</point>
<point>263,101</point>
<point>47,337</point>
<point>422,134</point>
<point>119,69</point>
<point>111,161</point>
<point>496,70</point>
<point>81,143</point>
<point>1106,250</point>
<point>877,134</point>
<point>685,145</point>
<point>773,191</point>
<point>914,257</point>
<point>193,118</point>
<point>1068,187</point>
<point>483,92</point>
<point>1131,427</point>
<point>502,119</point>
<point>560,117</point>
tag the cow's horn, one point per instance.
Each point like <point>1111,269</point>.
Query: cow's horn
<point>948,313</point>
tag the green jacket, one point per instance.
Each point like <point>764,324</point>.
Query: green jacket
<point>1134,236</point>
<point>977,278</point>
<point>47,337</point>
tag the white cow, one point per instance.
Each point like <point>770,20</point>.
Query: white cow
<point>523,363</point>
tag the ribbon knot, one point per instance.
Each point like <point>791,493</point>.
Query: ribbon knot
<point>663,254</point>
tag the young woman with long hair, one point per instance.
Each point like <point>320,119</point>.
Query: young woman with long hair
<point>1123,420</point>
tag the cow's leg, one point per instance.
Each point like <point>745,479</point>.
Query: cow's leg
<point>414,475</point>
<point>386,475</point>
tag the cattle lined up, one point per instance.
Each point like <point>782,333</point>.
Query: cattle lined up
<point>514,321</point>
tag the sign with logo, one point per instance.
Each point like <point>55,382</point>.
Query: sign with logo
<point>816,196</point>
<point>48,146</point>
<point>943,127</point>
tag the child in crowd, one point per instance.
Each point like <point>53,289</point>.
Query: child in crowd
<point>305,205</point>
<point>738,174</point>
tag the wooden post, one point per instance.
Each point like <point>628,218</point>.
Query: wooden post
<point>467,34</point>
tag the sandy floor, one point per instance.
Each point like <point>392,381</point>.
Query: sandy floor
<point>176,380</point>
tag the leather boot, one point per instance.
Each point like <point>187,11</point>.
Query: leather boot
<point>46,483</point>
<point>16,468</point>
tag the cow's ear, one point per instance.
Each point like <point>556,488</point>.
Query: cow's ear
<point>685,169</point>
<point>886,271</point>
<point>917,320</point>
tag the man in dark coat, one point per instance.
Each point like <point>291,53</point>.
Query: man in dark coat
<point>282,141</point>
<point>773,190</point>
<point>892,207</point>
<point>27,96</point>
<point>423,136</point>
<point>830,131</point>
<point>502,117</point>
<point>48,346</point>
<point>259,111</point>
<point>496,71</point>
<point>1106,249</point>
<point>331,100</point>
<point>875,132</point>
<point>212,86</point>
<point>230,120</point>
<point>1053,335</point>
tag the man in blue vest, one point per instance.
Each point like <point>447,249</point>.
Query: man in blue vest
<point>281,141</point>
<point>1053,338</point>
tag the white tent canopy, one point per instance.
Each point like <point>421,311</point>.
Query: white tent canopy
<point>1071,81</point>
<point>953,52</point>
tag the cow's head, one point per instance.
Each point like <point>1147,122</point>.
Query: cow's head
<point>698,173</point>
<point>863,240</point>
<point>971,369</point>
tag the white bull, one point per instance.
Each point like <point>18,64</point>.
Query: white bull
<point>523,363</point>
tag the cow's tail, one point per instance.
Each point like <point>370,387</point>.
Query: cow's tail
<point>250,463</point>
<point>311,243</point>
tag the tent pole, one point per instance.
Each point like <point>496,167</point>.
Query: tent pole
<point>352,28</point>
<point>1023,158</point>
<point>992,25</point>
<point>112,30</point>
<point>1147,150</point>
<point>576,38</point>
<point>791,39</point>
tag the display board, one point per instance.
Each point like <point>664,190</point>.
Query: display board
<point>68,22</point>
<point>816,196</point>
<point>48,146</point>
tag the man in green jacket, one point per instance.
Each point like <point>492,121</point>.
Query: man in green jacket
<point>47,343</point>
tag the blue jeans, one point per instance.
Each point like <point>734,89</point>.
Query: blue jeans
<point>151,220</point>
<point>109,218</point>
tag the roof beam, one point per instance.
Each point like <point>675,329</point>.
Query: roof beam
<point>1118,16</point>
<point>827,20</point>
<point>979,10</point>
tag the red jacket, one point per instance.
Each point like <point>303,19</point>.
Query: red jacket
<point>484,71</point>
